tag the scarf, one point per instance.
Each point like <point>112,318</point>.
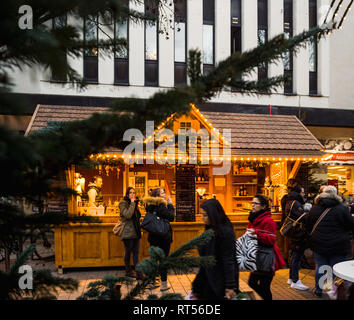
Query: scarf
<point>253,215</point>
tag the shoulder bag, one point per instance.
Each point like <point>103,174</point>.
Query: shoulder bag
<point>319,220</point>
<point>265,256</point>
<point>155,225</point>
<point>246,252</point>
<point>118,228</point>
<point>291,228</point>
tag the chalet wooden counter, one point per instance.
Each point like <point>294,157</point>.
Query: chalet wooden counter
<point>82,245</point>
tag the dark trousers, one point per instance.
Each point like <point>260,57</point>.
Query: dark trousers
<point>329,262</point>
<point>165,246</point>
<point>261,284</point>
<point>131,247</point>
<point>294,266</point>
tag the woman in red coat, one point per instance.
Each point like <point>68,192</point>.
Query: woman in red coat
<point>262,224</point>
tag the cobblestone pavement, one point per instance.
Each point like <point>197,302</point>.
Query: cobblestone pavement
<point>182,284</point>
<point>179,283</point>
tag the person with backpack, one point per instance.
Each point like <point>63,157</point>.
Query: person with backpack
<point>295,209</point>
<point>164,209</point>
<point>329,224</point>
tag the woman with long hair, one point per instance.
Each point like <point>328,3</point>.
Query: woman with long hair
<point>130,216</point>
<point>262,224</point>
<point>219,281</point>
<point>158,205</point>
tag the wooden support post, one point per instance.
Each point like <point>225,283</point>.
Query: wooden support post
<point>295,169</point>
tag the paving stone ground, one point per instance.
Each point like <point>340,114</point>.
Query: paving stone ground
<point>179,283</point>
<point>182,284</point>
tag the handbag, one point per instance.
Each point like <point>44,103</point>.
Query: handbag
<point>246,252</point>
<point>118,228</point>
<point>265,258</point>
<point>155,225</point>
<point>293,228</point>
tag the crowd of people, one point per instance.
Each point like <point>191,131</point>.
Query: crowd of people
<point>327,225</point>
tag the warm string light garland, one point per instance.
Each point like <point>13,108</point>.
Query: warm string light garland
<point>121,158</point>
<point>334,23</point>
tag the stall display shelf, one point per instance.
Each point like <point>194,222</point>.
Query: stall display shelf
<point>242,197</point>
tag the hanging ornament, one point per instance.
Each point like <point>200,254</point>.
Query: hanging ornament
<point>118,170</point>
<point>99,169</point>
<point>107,170</point>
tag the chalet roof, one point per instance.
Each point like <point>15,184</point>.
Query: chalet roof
<point>251,134</point>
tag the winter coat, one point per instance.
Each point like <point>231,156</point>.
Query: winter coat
<point>332,235</point>
<point>130,216</point>
<point>163,210</point>
<point>265,229</point>
<point>212,281</point>
<point>296,211</point>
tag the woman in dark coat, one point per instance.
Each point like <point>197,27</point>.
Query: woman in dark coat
<point>295,208</point>
<point>164,209</point>
<point>219,281</point>
<point>330,241</point>
<point>262,224</point>
<point>130,216</point>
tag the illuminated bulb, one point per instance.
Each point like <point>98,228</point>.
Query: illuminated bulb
<point>279,158</point>
<point>115,156</point>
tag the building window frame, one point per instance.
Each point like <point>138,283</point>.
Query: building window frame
<point>288,56</point>
<point>262,28</point>
<point>90,65</point>
<point>207,22</point>
<point>121,63</point>
<point>151,74</point>
<point>180,67</point>
<point>59,22</point>
<point>313,51</point>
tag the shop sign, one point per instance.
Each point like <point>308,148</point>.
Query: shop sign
<point>347,156</point>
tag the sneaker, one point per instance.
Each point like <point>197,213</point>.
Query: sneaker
<point>299,285</point>
<point>290,281</point>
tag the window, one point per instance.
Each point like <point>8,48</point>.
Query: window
<point>91,54</point>
<point>235,26</point>
<point>180,43</point>
<point>185,125</point>
<point>236,35</point>
<point>313,49</point>
<point>288,57</point>
<point>262,34</point>
<point>208,35</point>
<point>57,75</point>
<point>121,58</point>
<point>151,46</point>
